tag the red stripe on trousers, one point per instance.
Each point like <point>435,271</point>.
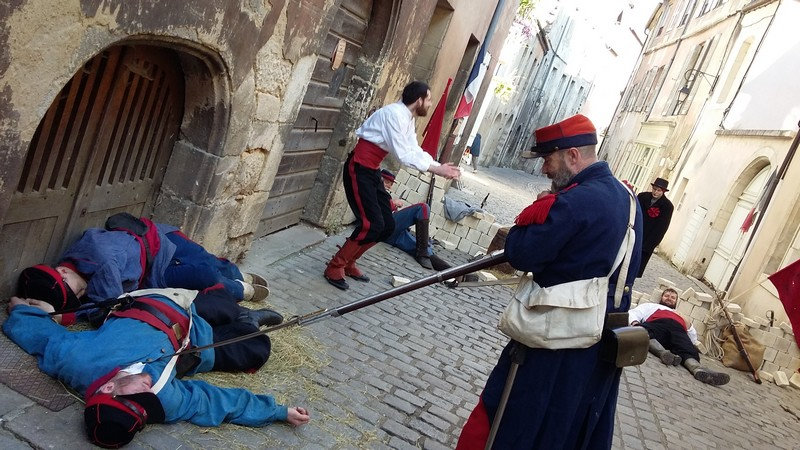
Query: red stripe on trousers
<point>476,430</point>
<point>425,213</point>
<point>365,224</point>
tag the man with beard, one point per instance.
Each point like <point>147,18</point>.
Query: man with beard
<point>671,340</point>
<point>388,130</point>
<point>562,398</point>
<point>657,213</point>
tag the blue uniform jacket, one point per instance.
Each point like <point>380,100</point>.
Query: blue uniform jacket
<point>581,236</point>
<point>112,262</point>
<point>566,398</point>
<point>79,358</point>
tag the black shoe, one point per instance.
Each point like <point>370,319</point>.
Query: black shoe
<point>363,278</point>
<point>425,262</point>
<point>260,317</point>
<point>438,263</point>
<point>711,377</point>
<point>341,284</point>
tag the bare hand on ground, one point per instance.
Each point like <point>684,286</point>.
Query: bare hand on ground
<point>297,416</point>
<point>44,306</point>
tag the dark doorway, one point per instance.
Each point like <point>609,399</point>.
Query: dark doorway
<point>319,113</point>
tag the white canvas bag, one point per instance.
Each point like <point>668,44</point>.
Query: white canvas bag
<point>567,315</point>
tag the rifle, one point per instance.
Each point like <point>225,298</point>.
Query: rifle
<point>739,345</point>
<point>489,260</point>
<point>107,303</point>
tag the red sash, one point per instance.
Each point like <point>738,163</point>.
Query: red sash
<point>665,314</point>
<point>368,154</point>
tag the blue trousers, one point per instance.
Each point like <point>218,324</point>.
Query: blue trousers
<point>192,267</point>
<point>403,220</point>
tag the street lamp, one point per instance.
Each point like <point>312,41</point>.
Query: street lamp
<point>712,79</point>
<point>690,75</point>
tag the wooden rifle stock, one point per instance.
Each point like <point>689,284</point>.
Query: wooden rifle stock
<point>739,344</point>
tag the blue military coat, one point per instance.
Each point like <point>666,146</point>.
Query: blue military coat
<point>566,398</point>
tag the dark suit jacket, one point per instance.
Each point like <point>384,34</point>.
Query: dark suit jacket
<point>656,219</point>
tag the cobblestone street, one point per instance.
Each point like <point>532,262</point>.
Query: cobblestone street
<point>405,373</point>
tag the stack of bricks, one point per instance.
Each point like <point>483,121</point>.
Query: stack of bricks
<point>781,356</point>
<point>472,234</point>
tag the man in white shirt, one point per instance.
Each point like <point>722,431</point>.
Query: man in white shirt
<point>389,130</point>
<point>670,339</point>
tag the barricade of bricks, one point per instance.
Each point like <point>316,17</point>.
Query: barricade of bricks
<point>472,234</point>
<point>781,356</point>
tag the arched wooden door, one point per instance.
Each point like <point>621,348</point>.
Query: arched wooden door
<point>732,244</point>
<point>319,113</point>
<point>101,148</point>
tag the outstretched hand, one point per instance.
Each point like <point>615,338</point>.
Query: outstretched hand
<point>297,416</point>
<point>447,170</point>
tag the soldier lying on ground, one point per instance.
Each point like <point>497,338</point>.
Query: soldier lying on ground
<point>417,245</point>
<point>670,340</point>
<point>132,254</point>
<point>122,370</point>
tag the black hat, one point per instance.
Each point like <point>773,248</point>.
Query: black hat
<point>387,175</point>
<point>113,421</point>
<point>45,283</point>
<point>661,183</point>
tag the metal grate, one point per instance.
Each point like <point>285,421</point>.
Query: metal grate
<point>18,371</point>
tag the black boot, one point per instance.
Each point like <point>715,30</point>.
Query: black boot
<point>438,263</point>
<point>706,375</point>
<point>422,244</point>
<point>260,317</point>
<point>666,357</point>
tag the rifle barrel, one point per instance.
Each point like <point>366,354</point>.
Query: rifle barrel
<point>489,260</point>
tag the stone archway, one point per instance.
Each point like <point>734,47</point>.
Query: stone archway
<point>108,143</point>
<point>730,241</point>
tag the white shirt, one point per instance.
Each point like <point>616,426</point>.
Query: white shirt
<point>392,129</point>
<point>642,312</point>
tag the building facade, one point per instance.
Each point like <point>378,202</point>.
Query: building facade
<point>568,57</point>
<point>713,108</point>
<point>228,119</point>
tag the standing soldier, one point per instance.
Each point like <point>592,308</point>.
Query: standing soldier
<point>388,130</point>
<point>657,213</point>
<point>562,398</point>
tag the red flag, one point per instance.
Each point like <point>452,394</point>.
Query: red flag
<point>748,221</point>
<point>787,282</point>
<point>430,143</point>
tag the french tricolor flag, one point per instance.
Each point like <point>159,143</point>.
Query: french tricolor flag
<point>473,83</point>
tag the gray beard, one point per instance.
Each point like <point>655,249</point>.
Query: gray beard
<point>560,180</point>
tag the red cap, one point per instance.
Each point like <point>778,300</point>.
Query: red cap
<point>575,131</point>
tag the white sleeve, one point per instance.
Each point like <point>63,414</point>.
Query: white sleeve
<point>403,145</point>
<point>692,333</point>
<point>638,314</point>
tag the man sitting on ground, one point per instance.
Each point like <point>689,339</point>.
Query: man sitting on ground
<point>670,340</point>
<point>132,254</point>
<point>128,379</point>
<point>416,245</point>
